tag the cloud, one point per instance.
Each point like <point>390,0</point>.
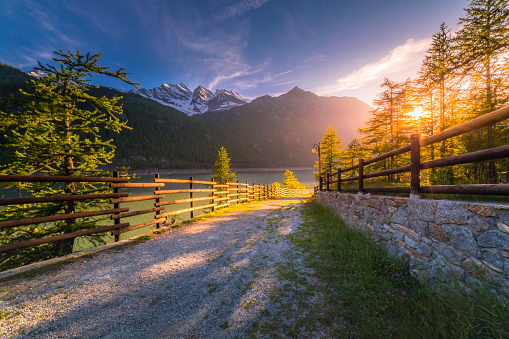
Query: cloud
<point>238,9</point>
<point>50,23</point>
<point>221,77</point>
<point>286,83</point>
<point>253,83</point>
<point>399,58</point>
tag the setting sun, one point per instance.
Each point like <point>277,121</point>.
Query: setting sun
<point>417,113</point>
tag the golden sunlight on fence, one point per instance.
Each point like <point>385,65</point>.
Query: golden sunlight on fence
<point>166,193</point>
<point>415,166</point>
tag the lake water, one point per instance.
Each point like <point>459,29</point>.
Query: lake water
<point>265,177</point>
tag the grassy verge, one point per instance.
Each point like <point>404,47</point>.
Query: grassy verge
<point>377,296</point>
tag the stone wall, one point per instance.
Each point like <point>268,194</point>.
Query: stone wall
<point>438,238</point>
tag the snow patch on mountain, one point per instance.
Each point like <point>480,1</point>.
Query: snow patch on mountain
<point>38,74</point>
<point>199,101</point>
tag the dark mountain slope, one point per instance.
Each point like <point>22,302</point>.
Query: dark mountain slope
<point>161,137</point>
<point>285,128</point>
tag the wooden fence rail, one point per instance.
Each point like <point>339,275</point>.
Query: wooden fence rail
<point>217,196</point>
<point>416,165</point>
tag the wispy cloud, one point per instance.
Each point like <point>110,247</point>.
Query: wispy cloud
<point>254,82</point>
<point>49,22</point>
<point>399,58</point>
<point>286,83</point>
<point>222,77</point>
<point>238,9</point>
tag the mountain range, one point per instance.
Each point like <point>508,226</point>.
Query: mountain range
<point>267,132</point>
<point>199,101</point>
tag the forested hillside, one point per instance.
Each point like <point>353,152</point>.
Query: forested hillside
<point>285,128</point>
<point>161,137</point>
<point>269,132</point>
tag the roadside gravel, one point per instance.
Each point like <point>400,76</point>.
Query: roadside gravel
<point>214,278</point>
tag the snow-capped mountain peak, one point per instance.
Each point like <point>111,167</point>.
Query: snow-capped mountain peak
<point>200,100</point>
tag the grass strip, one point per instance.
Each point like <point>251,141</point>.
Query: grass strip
<point>379,298</point>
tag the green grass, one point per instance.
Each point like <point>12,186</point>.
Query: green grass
<point>379,298</point>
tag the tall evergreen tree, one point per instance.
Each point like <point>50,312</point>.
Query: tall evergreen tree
<point>221,170</point>
<point>330,149</point>
<point>482,42</point>
<point>58,132</point>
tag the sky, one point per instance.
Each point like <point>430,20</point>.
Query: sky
<point>253,47</point>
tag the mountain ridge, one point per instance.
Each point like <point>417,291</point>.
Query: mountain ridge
<point>268,132</point>
<point>198,101</point>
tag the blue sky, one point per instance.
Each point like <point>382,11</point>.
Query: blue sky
<point>254,47</point>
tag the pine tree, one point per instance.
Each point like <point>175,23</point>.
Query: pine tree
<point>58,132</point>
<point>352,153</point>
<point>388,127</point>
<point>482,43</point>
<point>221,170</point>
<point>290,181</point>
<point>330,151</point>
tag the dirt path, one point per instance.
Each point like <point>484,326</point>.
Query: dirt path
<point>212,278</point>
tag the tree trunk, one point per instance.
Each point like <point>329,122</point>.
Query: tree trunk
<point>66,246</point>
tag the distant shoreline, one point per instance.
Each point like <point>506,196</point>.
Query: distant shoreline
<point>153,171</point>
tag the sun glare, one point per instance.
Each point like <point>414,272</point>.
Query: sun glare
<point>417,113</point>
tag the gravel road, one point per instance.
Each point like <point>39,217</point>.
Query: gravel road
<point>213,278</point>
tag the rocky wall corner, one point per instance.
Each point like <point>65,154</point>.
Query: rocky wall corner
<point>438,238</point>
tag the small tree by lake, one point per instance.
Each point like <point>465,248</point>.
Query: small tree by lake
<point>290,181</point>
<point>221,170</point>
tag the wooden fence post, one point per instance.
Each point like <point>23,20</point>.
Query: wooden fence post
<point>339,180</point>
<point>361,176</point>
<point>156,176</point>
<point>213,196</point>
<point>117,205</point>
<point>328,181</point>
<point>191,203</point>
<point>415,166</point>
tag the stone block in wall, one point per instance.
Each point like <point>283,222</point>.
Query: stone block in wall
<point>503,227</point>
<point>451,212</point>
<point>375,203</point>
<point>494,238</point>
<point>482,210</point>
<point>448,252</point>
<point>479,223</point>
<point>493,256</point>
<point>502,213</point>
<point>422,209</point>
<point>424,250</point>
<point>419,226</point>
<point>436,232</point>
<point>463,239</point>
<point>400,217</point>
<point>411,242</point>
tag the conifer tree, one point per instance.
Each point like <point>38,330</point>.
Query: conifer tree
<point>330,151</point>
<point>482,43</point>
<point>221,170</point>
<point>435,71</point>
<point>58,132</point>
<point>290,181</point>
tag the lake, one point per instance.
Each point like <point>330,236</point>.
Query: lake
<point>259,177</point>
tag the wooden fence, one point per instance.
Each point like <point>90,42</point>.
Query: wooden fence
<point>416,165</point>
<point>217,196</point>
